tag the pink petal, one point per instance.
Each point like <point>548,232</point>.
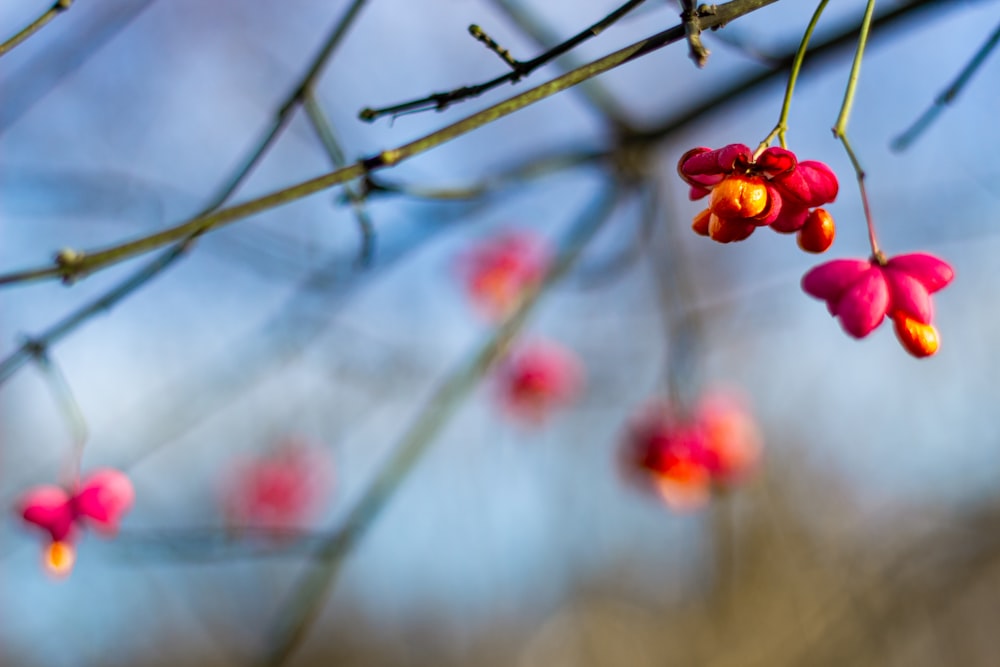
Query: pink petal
<point>104,497</point>
<point>719,161</point>
<point>932,272</point>
<point>811,184</point>
<point>909,295</point>
<point>49,508</point>
<point>830,280</point>
<point>863,306</point>
<point>776,160</point>
<point>793,217</point>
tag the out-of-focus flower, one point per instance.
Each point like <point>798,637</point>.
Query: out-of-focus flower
<point>99,501</point>
<point>500,270</point>
<point>682,456</point>
<point>536,378</point>
<point>772,189</point>
<point>282,489</point>
<point>862,292</point>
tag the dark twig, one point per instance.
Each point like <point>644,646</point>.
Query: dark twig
<point>519,70</point>
<point>70,265</point>
<point>58,8</point>
<point>947,96</point>
<point>691,19</point>
<point>596,94</point>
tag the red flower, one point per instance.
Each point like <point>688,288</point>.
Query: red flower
<point>682,456</point>
<point>774,189</point>
<point>862,292</point>
<point>536,379</point>
<point>100,501</point>
<point>499,271</point>
<point>282,489</point>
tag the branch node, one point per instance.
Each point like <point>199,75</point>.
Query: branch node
<point>70,263</point>
<point>691,18</point>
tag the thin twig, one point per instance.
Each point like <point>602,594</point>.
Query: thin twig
<point>519,70</point>
<point>947,96</point>
<point>71,265</point>
<point>596,94</point>
<point>58,8</point>
<point>356,198</point>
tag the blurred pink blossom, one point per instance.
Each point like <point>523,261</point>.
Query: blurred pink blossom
<point>537,378</point>
<point>99,501</point>
<point>284,488</point>
<point>681,456</point>
<point>500,270</point>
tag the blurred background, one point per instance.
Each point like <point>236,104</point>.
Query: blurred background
<point>868,534</point>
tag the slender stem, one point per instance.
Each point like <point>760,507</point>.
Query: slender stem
<point>71,265</point>
<point>306,599</point>
<point>904,140</point>
<point>519,70</point>
<point>852,82</point>
<point>860,172</point>
<point>840,129</point>
<point>793,76</point>
<point>58,8</point>
<point>70,409</point>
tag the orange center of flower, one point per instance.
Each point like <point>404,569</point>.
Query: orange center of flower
<point>739,196</point>
<point>59,558</point>
<point>919,339</point>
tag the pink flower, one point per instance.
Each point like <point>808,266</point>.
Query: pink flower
<point>862,292</point>
<point>282,489</point>
<point>683,456</point>
<point>774,189</point>
<point>537,378</point>
<point>100,501</point>
<point>499,271</point>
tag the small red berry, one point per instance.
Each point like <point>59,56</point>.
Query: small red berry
<point>818,232</point>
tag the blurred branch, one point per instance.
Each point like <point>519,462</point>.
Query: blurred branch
<point>288,107</point>
<point>519,69</point>
<point>93,30</point>
<point>58,8</point>
<point>34,345</point>
<point>306,599</point>
<point>356,197</point>
<point>71,264</point>
<point>947,96</point>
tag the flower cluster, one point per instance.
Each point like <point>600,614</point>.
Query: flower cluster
<point>862,292</point>
<point>537,378</point>
<point>770,189</point>
<point>498,272</point>
<point>282,489</point>
<point>681,456</point>
<point>100,501</point>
